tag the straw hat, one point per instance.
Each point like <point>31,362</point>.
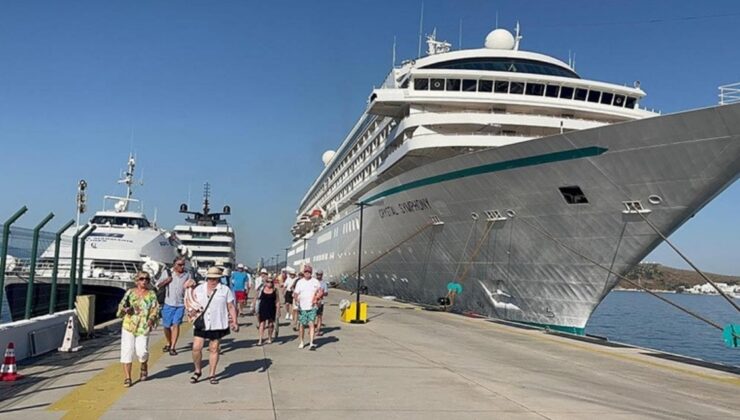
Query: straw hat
<point>214,273</point>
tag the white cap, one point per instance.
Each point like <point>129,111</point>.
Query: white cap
<point>291,270</point>
<point>264,271</point>
<point>240,265</point>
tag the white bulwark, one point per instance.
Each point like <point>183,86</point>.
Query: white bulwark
<point>506,159</point>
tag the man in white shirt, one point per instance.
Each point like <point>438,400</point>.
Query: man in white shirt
<point>307,294</point>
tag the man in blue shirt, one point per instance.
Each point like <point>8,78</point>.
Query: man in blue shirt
<point>239,280</point>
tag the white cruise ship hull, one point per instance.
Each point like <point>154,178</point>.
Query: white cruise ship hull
<point>673,165</point>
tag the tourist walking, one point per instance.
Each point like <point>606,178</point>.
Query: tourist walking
<point>140,312</point>
<point>269,310</point>
<point>239,280</point>
<point>256,287</point>
<point>213,322</point>
<point>288,285</point>
<point>307,293</point>
<point>175,281</point>
<point>320,307</point>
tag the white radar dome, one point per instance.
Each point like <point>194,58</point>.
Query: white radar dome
<point>500,39</point>
<point>328,156</point>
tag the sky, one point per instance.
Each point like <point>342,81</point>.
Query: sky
<point>247,95</point>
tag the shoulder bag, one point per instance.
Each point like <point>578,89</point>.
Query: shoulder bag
<point>199,323</point>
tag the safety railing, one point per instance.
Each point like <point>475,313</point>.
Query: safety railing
<point>729,94</point>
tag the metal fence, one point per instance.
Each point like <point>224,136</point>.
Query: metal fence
<point>729,94</point>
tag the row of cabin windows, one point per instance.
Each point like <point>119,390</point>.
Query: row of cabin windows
<point>369,170</point>
<point>522,88</point>
<point>360,159</point>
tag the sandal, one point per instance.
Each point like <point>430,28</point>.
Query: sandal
<point>173,352</point>
<point>196,376</point>
<point>143,375</point>
<point>213,380</point>
<point>127,382</point>
<point>166,348</point>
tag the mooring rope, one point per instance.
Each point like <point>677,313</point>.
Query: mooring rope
<point>569,248</point>
<point>655,228</point>
<point>467,242</point>
<point>421,229</point>
<point>477,250</point>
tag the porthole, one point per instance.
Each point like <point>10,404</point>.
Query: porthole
<point>474,215</point>
<point>510,213</point>
<point>655,200</point>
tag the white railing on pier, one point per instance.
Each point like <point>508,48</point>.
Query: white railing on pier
<point>729,94</point>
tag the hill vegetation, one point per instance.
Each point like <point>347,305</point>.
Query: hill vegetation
<point>654,276</point>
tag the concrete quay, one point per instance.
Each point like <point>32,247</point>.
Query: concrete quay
<point>405,363</point>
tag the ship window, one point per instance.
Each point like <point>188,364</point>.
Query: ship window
<point>453,84</point>
<point>421,84</point>
<point>485,86</point>
<point>506,64</point>
<point>438,84</point>
<point>606,98</point>
<point>580,94</point>
<point>552,91</point>
<point>573,195</point>
<point>618,100</point>
<point>566,92</point>
<point>469,85</point>
<point>517,87</point>
<point>501,87</point>
<point>630,102</point>
<point>593,96</point>
<point>535,89</point>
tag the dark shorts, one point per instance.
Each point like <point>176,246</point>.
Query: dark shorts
<point>289,296</point>
<point>172,315</point>
<point>211,334</point>
<point>240,295</point>
<point>320,311</point>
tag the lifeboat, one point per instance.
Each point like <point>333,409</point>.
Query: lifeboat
<point>316,215</point>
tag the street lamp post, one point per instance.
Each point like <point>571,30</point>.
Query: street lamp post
<point>357,319</point>
<point>286,256</point>
<point>277,262</point>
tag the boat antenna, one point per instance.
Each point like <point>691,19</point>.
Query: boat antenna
<point>459,38</point>
<point>496,19</point>
<point>394,51</point>
<point>518,37</point>
<point>421,25</point>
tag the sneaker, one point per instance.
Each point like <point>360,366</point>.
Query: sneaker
<point>287,317</point>
<point>300,346</point>
<point>312,346</point>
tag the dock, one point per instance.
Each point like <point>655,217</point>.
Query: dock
<point>405,363</point>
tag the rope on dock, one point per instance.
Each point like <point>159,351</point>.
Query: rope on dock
<point>421,229</point>
<point>576,252</point>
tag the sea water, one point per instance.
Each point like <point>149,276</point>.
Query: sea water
<point>641,319</point>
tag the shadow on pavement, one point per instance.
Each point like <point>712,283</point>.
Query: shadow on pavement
<point>246,366</point>
<point>322,341</point>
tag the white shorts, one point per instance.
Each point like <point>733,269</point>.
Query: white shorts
<point>131,344</point>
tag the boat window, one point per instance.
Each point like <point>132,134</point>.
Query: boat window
<point>517,87</point>
<point>120,221</point>
<point>566,92</point>
<point>469,85</point>
<point>501,87</point>
<point>593,96</point>
<point>630,102</point>
<point>438,84</point>
<point>485,85</point>
<point>580,94</point>
<point>405,84</point>
<point>421,84</point>
<point>535,89</point>
<point>618,100</point>
<point>552,91</point>
<point>453,84</point>
<point>606,98</point>
<point>573,195</point>
<point>507,64</point>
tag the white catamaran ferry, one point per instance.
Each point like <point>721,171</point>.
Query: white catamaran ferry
<point>208,236</point>
<point>508,172</point>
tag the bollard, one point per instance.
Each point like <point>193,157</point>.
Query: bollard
<point>34,255</point>
<point>72,269</point>
<point>4,250</point>
<point>55,268</point>
<point>82,257</point>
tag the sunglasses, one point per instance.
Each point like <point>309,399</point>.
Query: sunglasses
<point>142,278</point>
<point>180,264</point>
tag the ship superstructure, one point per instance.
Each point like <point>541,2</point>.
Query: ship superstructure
<point>208,235</point>
<point>502,169</point>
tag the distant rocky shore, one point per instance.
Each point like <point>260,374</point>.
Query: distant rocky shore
<point>654,276</point>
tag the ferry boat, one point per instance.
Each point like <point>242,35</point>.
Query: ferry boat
<point>508,172</point>
<point>208,236</point>
<point>124,242</point>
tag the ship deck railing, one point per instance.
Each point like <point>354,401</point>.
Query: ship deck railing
<point>729,94</point>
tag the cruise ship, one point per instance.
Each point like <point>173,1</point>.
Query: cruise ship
<point>208,236</point>
<point>508,172</point>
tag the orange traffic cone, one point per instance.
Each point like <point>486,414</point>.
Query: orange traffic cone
<point>9,371</point>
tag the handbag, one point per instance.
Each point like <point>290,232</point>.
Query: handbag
<point>199,323</point>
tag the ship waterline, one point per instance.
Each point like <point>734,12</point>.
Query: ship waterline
<point>502,203</point>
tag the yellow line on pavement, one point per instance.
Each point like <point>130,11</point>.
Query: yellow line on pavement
<point>94,398</point>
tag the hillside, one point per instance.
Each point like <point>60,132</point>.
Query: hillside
<point>659,277</point>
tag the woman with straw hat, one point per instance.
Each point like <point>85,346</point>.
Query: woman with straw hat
<point>213,321</point>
